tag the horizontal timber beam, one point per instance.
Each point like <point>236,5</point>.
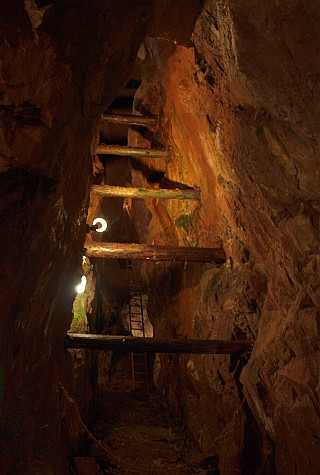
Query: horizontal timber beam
<point>112,250</point>
<point>126,192</point>
<point>129,119</point>
<point>152,345</point>
<point>104,149</point>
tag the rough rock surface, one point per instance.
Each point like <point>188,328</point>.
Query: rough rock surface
<point>240,115</point>
<point>56,74</point>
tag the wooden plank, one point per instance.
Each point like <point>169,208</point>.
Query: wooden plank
<point>104,149</point>
<point>141,193</point>
<point>111,250</point>
<point>130,119</point>
<point>152,345</point>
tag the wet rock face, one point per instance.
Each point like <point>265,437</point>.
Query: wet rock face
<point>241,119</point>
<point>59,68</point>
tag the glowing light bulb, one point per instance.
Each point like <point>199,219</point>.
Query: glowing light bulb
<point>80,288</point>
<point>103,224</point>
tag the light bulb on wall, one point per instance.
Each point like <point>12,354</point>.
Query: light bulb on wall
<point>80,288</point>
<point>103,225</point>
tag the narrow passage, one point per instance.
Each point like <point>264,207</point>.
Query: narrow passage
<point>135,427</point>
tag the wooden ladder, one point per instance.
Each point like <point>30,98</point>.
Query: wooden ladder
<point>139,361</point>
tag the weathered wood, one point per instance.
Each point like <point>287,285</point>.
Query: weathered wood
<point>113,250</point>
<point>104,149</point>
<point>130,119</point>
<point>152,345</point>
<point>126,192</point>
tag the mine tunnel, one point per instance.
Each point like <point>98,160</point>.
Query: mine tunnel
<point>160,204</point>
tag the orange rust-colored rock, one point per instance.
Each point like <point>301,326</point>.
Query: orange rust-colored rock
<point>236,86</point>
<point>241,121</point>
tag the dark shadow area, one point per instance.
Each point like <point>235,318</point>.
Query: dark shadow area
<point>158,177</point>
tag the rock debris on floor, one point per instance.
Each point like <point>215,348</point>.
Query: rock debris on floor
<point>136,429</point>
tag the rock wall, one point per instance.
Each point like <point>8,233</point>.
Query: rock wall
<point>239,112</point>
<point>240,116</point>
<point>60,67</point>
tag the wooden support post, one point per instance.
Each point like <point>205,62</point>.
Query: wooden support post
<point>126,192</point>
<point>152,345</point>
<point>111,250</point>
<point>137,152</point>
<point>129,119</point>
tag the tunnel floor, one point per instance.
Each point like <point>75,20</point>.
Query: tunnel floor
<point>135,427</point>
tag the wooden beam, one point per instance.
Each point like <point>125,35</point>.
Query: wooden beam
<point>126,192</point>
<point>137,152</point>
<point>152,345</point>
<point>130,119</point>
<point>111,250</point>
